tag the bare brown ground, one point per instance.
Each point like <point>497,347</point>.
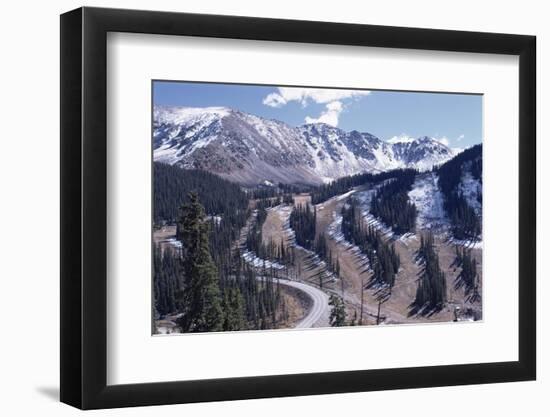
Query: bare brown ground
<point>301,199</point>
<point>161,235</point>
<point>164,233</point>
<point>272,229</point>
<point>396,307</point>
<point>305,268</point>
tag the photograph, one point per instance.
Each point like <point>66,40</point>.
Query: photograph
<point>302,207</point>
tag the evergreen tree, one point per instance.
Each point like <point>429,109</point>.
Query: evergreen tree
<point>167,273</point>
<point>468,275</point>
<point>201,303</point>
<point>466,224</point>
<point>302,221</point>
<point>383,259</point>
<point>391,203</point>
<point>233,308</point>
<point>337,312</point>
<point>432,288</point>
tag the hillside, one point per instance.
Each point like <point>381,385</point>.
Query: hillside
<point>252,150</point>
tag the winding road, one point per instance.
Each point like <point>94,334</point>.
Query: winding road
<point>318,314</point>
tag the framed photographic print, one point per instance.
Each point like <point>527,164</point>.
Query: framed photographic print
<point>257,208</point>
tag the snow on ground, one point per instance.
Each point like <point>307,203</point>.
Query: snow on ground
<point>334,231</point>
<point>172,241</point>
<point>283,211</point>
<point>427,198</point>
<point>181,115</point>
<point>469,244</point>
<point>166,154</point>
<point>217,219</point>
<point>344,196</point>
<point>253,260</point>
<point>470,187</point>
<point>365,198</point>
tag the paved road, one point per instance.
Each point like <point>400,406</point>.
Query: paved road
<point>319,311</point>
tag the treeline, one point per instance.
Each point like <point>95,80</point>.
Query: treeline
<point>254,238</point>
<point>302,220</point>
<point>384,260</point>
<point>466,224</point>
<point>269,202</point>
<point>172,185</point>
<point>167,280</point>
<point>262,191</point>
<point>263,305</point>
<point>224,202</point>
<point>391,202</point>
<point>345,184</point>
<point>431,293</point>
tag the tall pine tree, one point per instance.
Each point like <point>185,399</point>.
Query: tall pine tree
<point>201,301</point>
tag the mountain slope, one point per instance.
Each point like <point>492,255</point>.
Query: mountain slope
<point>249,149</point>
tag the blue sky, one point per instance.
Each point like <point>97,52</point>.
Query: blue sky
<point>454,119</point>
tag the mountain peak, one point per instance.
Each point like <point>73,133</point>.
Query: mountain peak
<point>179,115</point>
<point>251,149</point>
<point>401,139</point>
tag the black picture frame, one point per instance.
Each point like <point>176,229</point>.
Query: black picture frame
<point>84,207</point>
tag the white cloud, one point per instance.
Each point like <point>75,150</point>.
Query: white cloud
<point>330,115</point>
<point>330,97</point>
<point>460,138</point>
<point>285,95</point>
<point>443,140</point>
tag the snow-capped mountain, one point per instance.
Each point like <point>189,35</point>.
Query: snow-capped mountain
<point>251,150</point>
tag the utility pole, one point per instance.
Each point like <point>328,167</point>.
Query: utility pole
<point>362,291</point>
<point>378,315</point>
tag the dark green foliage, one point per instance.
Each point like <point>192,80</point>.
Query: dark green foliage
<point>201,298</point>
<point>269,202</point>
<point>224,202</point>
<point>465,223</point>
<point>233,308</point>
<point>337,311</point>
<point>254,240</point>
<point>391,203</point>
<point>321,247</point>
<point>167,279</point>
<point>384,261</point>
<point>468,276</point>
<point>172,185</point>
<point>265,192</point>
<point>432,288</point>
<point>207,280</point>
<point>302,220</point>
<point>332,263</point>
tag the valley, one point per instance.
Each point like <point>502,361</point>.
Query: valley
<point>312,282</point>
<point>259,225</point>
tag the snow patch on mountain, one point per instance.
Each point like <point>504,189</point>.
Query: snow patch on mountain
<point>183,115</point>
<point>428,199</point>
<point>250,149</point>
<point>401,139</point>
<point>470,188</point>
